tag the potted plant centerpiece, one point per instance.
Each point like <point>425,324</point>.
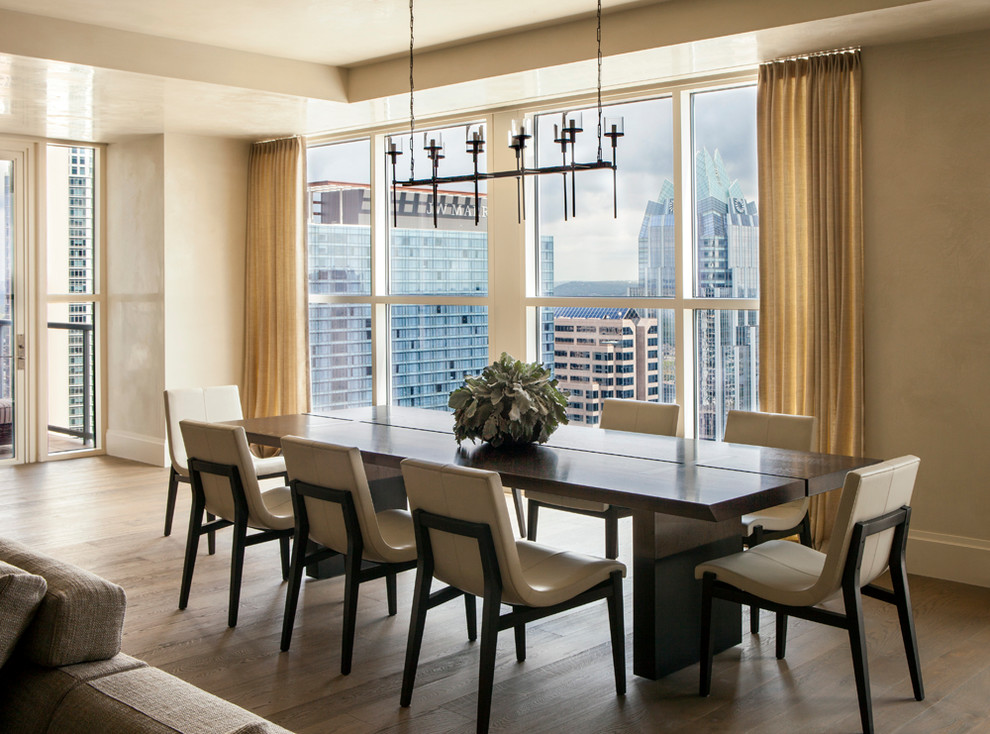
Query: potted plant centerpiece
<point>509,403</point>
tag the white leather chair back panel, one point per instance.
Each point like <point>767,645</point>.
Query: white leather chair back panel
<point>775,430</point>
<point>866,494</point>
<point>641,416</point>
<point>221,403</point>
<point>342,468</point>
<point>475,496</point>
<point>227,445</point>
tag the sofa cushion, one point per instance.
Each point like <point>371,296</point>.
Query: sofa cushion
<point>31,694</point>
<point>81,617</point>
<point>150,700</point>
<point>20,594</point>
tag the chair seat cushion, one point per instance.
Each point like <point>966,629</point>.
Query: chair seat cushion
<point>20,595</point>
<point>269,465</point>
<point>779,571</point>
<point>567,502</point>
<point>278,501</point>
<point>555,575</point>
<point>780,517</point>
<point>396,527</point>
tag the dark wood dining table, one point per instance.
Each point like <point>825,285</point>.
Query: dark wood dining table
<point>687,498</point>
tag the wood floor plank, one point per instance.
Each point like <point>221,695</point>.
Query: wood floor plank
<point>106,515</point>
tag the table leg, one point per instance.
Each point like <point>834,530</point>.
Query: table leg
<point>666,596</point>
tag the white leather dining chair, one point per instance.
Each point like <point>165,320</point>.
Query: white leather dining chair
<point>639,416</point>
<point>212,404</point>
<point>869,536</point>
<point>333,507</point>
<point>778,431</point>
<point>464,539</point>
<point>224,484</point>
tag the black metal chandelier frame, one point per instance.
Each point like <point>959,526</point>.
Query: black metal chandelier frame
<point>565,135</point>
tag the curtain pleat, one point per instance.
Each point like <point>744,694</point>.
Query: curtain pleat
<point>811,252</point>
<point>276,343</point>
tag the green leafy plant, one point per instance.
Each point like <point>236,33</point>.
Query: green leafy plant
<point>510,402</point>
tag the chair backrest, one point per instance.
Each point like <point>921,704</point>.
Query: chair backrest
<point>641,416</point>
<point>334,467</point>
<point>475,496</point>
<point>220,403</point>
<point>227,445</point>
<point>774,430</point>
<point>866,494</point>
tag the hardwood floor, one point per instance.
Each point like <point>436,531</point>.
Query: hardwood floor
<point>106,515</point>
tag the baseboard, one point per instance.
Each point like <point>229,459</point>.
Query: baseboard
<point>950,557</point>
<point>136,447</point>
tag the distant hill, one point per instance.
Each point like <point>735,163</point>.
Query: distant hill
<point>600,288</point>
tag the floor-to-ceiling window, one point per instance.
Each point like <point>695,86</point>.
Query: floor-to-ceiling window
<point>50,325</point>
<point>648,294</point>
<point>404,268</point>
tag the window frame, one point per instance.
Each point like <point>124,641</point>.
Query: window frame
<point>512,299</point>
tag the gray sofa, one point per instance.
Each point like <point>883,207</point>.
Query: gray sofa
<point>61,669</point>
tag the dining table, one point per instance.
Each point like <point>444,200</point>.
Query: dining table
<point>687,498</point>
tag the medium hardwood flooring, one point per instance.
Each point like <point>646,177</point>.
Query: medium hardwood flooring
<point>106,515</point>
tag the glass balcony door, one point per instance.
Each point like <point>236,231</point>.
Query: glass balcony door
<point>12,347</point>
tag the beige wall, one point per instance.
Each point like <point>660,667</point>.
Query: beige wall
<point>175,247</point>
<point>205,218</point>
<point>135,298</point>
<point>927,221</point>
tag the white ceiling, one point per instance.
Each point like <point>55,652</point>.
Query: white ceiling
<point>103,70</point>
<point>334,32</point>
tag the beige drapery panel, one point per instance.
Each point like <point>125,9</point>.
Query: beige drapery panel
<point>811,252</point>
<point>276,323</point>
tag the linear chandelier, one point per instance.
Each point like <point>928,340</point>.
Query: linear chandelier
<point>565,135</point>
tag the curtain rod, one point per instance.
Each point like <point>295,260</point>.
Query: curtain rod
<point>815,54</point>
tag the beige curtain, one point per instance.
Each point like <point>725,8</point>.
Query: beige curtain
<point>276,359</point>
<point>811,252</point>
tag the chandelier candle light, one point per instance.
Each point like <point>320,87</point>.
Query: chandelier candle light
<point>564,134</point>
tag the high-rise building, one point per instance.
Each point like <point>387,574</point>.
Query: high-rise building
<point>727,266</point>
<point>433,346</point>
<point>604,353</point>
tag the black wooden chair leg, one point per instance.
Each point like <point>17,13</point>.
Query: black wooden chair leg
<point>352,584</point>
<point>417,621</point>
<point>292,592</point>
<point>616,627</point>
<point>173,491</point>
<point>471,613</point>
<point>533,516</point>
<point>283,548</point>
<point>390,591</point>
<point>520,638</point>
<point>898,577</point>
<point>192,545</point>
<point>612,537</point>
<point>486,672</point>
<point>211,537</point>
<point>781,635</point>
<point>857,645</point>
<point>517,502</point>
<point>236,570</point>
<point>707,642</point>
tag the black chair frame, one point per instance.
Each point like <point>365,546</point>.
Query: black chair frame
<point>173,490</point>
<point>759,535</point>
<point>852,620</point>
<point>611,516</point>
<point>491,621</point>
<point>241,539</point>
<point>356,569</point>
